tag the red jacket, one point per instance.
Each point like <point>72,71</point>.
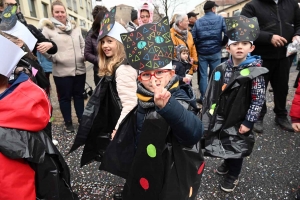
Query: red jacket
<point>27,108</point>
<point>295,109</point>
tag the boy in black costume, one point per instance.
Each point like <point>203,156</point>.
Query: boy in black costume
<point>233,101</point>
<point>156,148</point>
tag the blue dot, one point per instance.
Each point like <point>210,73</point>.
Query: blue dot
<point>217,76</point>
<point>159,39</point>
<point>141,44</point>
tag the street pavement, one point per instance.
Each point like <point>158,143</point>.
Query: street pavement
<point>270,172</point>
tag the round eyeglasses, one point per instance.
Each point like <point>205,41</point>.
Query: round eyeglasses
<point>145,76</point>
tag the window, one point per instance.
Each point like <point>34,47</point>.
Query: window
<point>45,9</point>
<point>82,23</point>
<point>32,8</point>
<point>80,3</point>
<point>73,18</point>
<point>75,5</point>
<point>69,4</point>
<point>87,10</point>
<point>235,11</point>
<point>90,11</point>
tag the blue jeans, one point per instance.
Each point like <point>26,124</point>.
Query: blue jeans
<point>68,87</point>
<point>205,61</point>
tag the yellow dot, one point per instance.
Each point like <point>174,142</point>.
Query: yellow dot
<point>191,191</point>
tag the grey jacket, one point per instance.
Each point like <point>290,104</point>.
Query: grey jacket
<point>69,59</point>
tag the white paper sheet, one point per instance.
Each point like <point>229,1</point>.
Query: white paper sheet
<point>22,32</point>
<point>10,54</point>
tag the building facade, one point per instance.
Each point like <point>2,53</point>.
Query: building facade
<point>231,10</point>
<point>228,6</point>
<point>78,10</point>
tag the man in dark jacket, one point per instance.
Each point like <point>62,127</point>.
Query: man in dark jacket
<point>207,34</point>
<point>279,22</point>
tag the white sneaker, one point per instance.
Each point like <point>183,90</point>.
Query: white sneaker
<point>55,142</point>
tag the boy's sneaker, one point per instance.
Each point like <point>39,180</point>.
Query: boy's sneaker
<point>222,169</point>
<point>229,184</point>
<point>69,127</point>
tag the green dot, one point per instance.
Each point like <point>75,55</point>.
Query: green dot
<point>245,72</point>
<point>213,106</point>
<point>151,151</point>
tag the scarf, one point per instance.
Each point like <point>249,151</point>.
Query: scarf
<point>66,28</point>
<point>146,97</point>
<point>183,33</point>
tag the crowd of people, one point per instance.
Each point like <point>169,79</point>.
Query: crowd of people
<point>143,121</point>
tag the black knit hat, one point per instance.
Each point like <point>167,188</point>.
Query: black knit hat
<point>133,15</point>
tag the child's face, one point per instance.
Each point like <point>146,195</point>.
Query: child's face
<point>145,16</point>
<point>240,50</point>
<point>161,77</point>
<point>184,55</point>
<point>109,46</point>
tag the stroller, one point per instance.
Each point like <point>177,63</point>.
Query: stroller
<point>88,91</point>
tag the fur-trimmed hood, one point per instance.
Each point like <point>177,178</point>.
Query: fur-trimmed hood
<point>45,22</point>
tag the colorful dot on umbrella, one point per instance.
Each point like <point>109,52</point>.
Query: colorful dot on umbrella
<point>144,183</point>
<point>151,151</point>
<point>212,109</point>
<point>191,191</point>
<point>217,76</point>
<point>245,72</point>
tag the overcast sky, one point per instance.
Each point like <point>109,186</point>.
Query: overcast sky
<point>187,6</point>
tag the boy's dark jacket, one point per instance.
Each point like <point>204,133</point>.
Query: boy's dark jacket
<point>176,169</point>
<point>182,68</point>
<point>24,142</point>
<point>224,111</point>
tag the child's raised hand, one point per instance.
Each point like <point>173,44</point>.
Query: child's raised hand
<point>243,129</point>
<point>161,95</point>
<point>296,127</point>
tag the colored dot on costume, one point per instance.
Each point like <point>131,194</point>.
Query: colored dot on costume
<point>224,86</point>
<point>217,76</point>
<point>212,109</point>
<point>191,192</point>
<point>159,39</point>
<point>245,72</point>
<point>141,44</point>
<point>151,151</point>
<point>144,183</point>
<point>200,170</point>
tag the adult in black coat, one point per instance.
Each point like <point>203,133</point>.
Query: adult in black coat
<point>279,23</point>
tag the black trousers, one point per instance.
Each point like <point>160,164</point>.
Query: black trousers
<point>279,71</point>
<point>234,166</point>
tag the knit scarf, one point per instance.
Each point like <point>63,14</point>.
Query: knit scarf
<point>66,28</point>
<point>183,33</point>
<point>146,97</point>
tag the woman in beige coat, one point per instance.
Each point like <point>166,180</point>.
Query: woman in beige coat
<point>69,70</point>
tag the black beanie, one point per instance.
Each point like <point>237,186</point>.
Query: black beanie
<point>133,15</point>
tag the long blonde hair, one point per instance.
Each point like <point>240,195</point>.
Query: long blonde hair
<point>107,66</point>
